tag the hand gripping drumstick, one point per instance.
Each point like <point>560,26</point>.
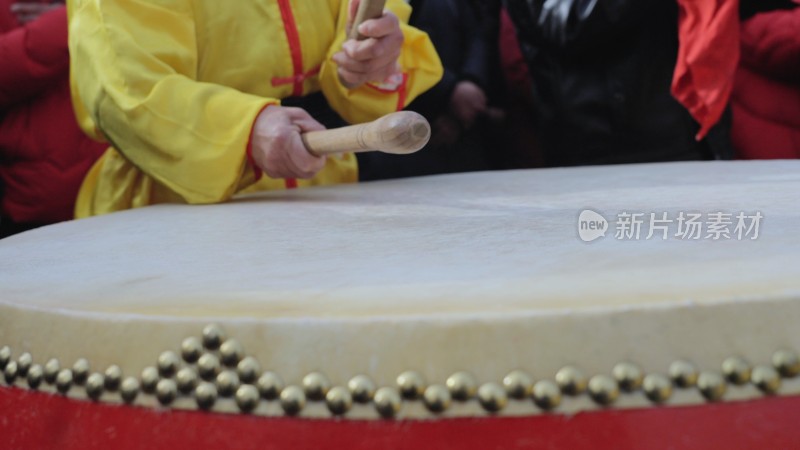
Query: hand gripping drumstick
<point>367,9</point>
<point>399,133</point>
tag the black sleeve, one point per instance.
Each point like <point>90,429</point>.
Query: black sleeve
<point>480,27</point>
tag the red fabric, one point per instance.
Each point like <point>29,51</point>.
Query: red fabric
<point>766,95</point>
<point>402,93</point>
<point>708,52</point>
<point>33,420</point>
<point>293,37</point>
<point>296,79</point>
<point>43,154</point>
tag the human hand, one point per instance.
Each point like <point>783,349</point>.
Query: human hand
<point>446,131</point>
<point>29,11</point>
<point>375,57</point>
<point>277,148</point>
<point>467,102</point>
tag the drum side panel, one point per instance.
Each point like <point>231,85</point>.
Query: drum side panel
<point>37,420</point>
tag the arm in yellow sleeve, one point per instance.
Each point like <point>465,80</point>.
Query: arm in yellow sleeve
<point>418,60</point>
<point>134,74</point>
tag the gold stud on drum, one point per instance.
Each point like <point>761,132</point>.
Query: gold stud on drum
<point>361,388</point>
<point>248,369</point>
<point>186,379</point>
<point>51,370</point>
<point>628,375</point>
<point>411,384</point>
<point>766,379</point>
<point>604,390</point>
<point>316,386</point>
<point>518,384</point>
<point>247,397</point>
<point>683,373</point>
<point>64,381</point>
<point>736,370</point>
<point>205,394</point>
<point>191,349</point>
<point>231,352</point>
<point>711,385</point>
<point>546,394</point>
<point>437,398</point>
<point>166,391</point>
<point>270,385</point>
<point>35,376</point>
<point>5,357</point>
<point>339,400</point>
<point>94,386</point>
<point>492,397</point>
<point>293,400</point>
<point>227,383</point>
<point>462,385</point>
<point>787,363</point>
<point>24,363</point>
<point>129,389</point>
<point>213,336</point>
<point>387,402</point>
<point>112,378</point>
<point>149,379</point>
<point>168,363</point>
<point>571,380</point>
<point>208,366</point>
<point>80,371</point>
<point>10,372</point>
<point>657,388</point>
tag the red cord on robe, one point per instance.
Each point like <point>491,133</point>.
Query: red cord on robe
<point>708,53</point>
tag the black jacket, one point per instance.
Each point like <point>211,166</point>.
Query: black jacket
<point>461,40</point>
<point>602,71</point>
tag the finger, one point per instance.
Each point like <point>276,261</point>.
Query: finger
<point>377,69</point>
<point>302,163</point>
<point>386,72</point>
<point>372,48</point>
<point>350,79</point>
<point>307,125</point>
<point>303,120</point>
<point>478,103</point>
<point>380,27</point>
<point>275,167</point>
<point>351,65</point>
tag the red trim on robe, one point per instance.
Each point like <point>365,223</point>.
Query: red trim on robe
<point>293,36</point>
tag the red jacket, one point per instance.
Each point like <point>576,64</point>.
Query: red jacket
<point>766,95</point>
<point>43,154</point>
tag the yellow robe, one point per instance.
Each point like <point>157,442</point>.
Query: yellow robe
<point>174,87</point>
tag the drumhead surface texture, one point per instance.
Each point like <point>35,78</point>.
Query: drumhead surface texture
<point>483,273</point>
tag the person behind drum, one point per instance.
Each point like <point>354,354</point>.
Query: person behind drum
<point>188,94</point>
<point>631,81</point>
<point>463,107</point>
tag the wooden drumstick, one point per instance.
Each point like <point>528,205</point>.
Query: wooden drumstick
<point>367,9</point>
<point>399,133</point>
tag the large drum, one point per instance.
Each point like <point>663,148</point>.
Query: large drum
<point>639,306</point>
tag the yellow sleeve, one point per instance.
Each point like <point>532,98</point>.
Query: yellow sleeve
<point>418,60</point>
<point>134,74</point>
